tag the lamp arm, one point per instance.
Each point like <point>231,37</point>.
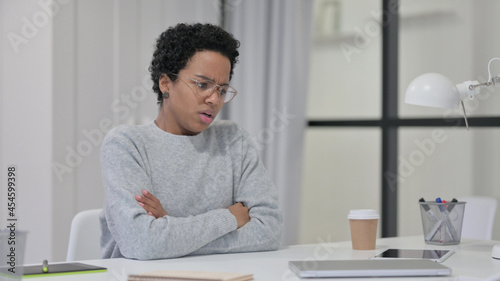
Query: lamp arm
<point>492,82</point>
<point>470,89</point>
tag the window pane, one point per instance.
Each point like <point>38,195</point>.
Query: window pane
<point>456,38</point>
<point>341,172</point>
<point>345,68</point>
<point>447,163</point>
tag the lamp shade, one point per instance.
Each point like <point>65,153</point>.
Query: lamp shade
<point>434,90</point>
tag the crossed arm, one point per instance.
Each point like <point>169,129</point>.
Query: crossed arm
<point>153,207</point>
<point>145,230</point>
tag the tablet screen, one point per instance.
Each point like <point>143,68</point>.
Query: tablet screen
<point>435,255</point>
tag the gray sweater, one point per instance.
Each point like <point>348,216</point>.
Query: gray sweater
<point>196,178</point>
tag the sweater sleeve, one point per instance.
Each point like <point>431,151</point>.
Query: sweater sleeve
<point>134,233</point>
<point>254,188</point>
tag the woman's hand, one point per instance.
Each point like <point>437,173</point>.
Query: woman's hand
<point>151,204</point>
<point>241,214</point>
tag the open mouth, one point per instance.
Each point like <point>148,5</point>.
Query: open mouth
<point>206,117</point>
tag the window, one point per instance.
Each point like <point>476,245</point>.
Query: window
<point>365,148</point>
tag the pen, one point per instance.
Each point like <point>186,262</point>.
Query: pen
<point>438,200</point>
<point>450,207</point>
<point>428,210</point>
<point>45,266</point>
<point>437,223</point>
<point>446,218</point>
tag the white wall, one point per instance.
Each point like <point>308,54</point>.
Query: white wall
<point>2,178</point>
<point>27,120</point>
<point>486,148</point>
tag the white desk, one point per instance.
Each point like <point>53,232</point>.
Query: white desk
<point>472,258</point>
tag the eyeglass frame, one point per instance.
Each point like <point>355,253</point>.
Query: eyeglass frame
<point>211,91</point>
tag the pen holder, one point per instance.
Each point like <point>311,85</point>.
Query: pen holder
<point>442,222</point>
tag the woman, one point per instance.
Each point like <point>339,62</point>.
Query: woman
<point>183,184</point>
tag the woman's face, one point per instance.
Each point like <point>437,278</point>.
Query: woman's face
<point>185,112</point>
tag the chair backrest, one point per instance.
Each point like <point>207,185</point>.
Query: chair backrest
<point>85,236</point>
<point>479,217</point>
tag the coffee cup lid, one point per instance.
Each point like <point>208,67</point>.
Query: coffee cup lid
<point>363,214</point>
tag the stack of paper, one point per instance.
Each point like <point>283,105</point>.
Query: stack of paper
<point>164,275</point>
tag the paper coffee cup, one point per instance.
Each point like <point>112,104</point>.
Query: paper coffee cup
<point>364,225</point>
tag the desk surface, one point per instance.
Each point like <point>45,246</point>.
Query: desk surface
<point>472,258</point>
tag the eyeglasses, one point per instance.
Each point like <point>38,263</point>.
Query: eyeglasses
<point>206,88</point>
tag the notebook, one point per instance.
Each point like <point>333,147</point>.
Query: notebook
<point>61,269</point>
<point>368,268</point>
<point>165,275</point>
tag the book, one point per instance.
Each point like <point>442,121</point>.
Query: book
<point>175,275</point>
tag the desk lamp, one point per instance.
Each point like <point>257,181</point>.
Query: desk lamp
<point>436,90</point>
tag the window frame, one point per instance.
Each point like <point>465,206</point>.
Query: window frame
<point>389,123</point>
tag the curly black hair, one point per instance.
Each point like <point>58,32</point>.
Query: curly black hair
<point>176,46</point>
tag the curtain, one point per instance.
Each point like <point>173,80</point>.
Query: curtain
<point>271,79</point>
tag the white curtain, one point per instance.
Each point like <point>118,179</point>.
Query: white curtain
<point>271,79</point>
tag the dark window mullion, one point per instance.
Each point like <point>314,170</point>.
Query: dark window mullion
<point>493,121</point>
<point>390,51</point>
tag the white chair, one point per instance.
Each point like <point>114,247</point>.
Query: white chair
<point>85,236</point>
<point>479,217</point>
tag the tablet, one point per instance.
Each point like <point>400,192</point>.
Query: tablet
<point>430,254</point>
<point>61,269</point>
<point>367,268</point>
